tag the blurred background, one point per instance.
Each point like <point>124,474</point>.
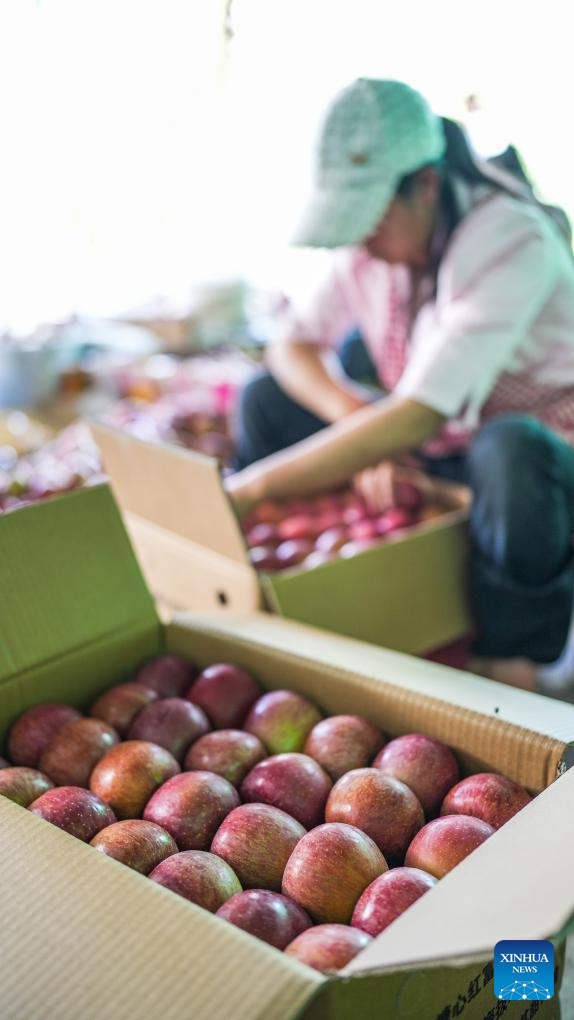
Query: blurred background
<point>155,157</point>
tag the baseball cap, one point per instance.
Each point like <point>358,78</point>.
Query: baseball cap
<point>374,133</point>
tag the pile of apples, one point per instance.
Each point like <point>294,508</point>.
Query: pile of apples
<point>313,834</point>
<point>309,532</point>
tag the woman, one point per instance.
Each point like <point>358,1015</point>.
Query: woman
<point>463,288</point>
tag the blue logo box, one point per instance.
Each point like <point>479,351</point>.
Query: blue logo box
<point>524,969</point>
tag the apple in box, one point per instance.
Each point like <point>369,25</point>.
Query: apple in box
<point>282,720</point>
<point>328,947</point>
<point>23,785</point>
<point>388,897</point>
<point>293,552</point>
<point>33,730</point>
<point>257,840</point>
<point>293,782</point>
<point>263,534</point>
<point>75,750</point>
<point>263,558</point>
<point>332,540</point>
<point>445,842</point>
<point>493,798</point>
<point>191,807</point>
<point>173,723</point>
<point>198,876</point>
<point>75,810</point>
<point>168,675</point>
<point>329,869</point>
<point>138,844</point>
<point>120,705</point>
<point>342,743</point>
<point>267,915</point>
<point>300,526</point>
<point>228,753</point>
<point>225,692</point>
<point>379,805</point>
<point>428,767</point>
<point>126,776</point>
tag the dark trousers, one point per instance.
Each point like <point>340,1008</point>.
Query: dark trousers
<point>522,518</point>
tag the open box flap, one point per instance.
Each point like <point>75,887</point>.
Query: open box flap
<point>177,489</point>
<point>78,913</point>
<point>68,575</point>
<point>517,885</point>
<point>489,726</point>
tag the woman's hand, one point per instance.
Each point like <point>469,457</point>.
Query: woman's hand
<point>391,484</point>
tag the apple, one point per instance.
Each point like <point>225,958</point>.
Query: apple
<point>191,807</point>
<point>137,844</point>
<point>342,743</point>
<point>293,552</point>
<point>394,519</point>
<point>74,810</point>
<point>328,504</point>
<point>263,558</point>
<point>486,795</point>
<point>318,558</point>
<point>445,842</point>
<point>282,720</point>
<point>361,530</point>
<point>408,496</point>
<point>23,785</point>
<point>328,947</point>
<point>379,805</point>
<point>293,782</point>
<point>428,767</point>
<point>33,730</point>
<point>332,540</point>
<point>257,841</point>
<point>328,519</point>
<point>267,915</point>
<point>355,511</point>
<point>263,534</point>
<point>126,776</point>
<point>228,753</point>
<point>298,526</point>
<point>168,675</point>
<point>172,723</point>
<point>298,506</point>
<point>359,546</point>
<point>225,693</point>
<point>75,749</point>
<point>268,513</point>
<point>388,897</point>
<point>120,705</point>
<point>198,876</point>
<point>329,868</point>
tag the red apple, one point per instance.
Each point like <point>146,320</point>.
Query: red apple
<point>225,693</point>
<point>75,749</point>
<point>268,916</point>
<point>388,897</point>
<point>263,558</point>
<point>356,511</point>
<point>23,785</point>
<point>257,841</point>
<point>359,546</point>
<point>361,530</point>
<point>298,506</point>
<point>486,795</point>
<point>263,534</point>
<point>198,876</point>
<point>342,743</point>
<point>328,947</point>
<point>293,782</point>
<point>120,705</point>
<point>126,776</point>
<point>34,729</point>
<point>282,720</point>
<point>428,767</point>
<point>268,513</point>
<point>137,844</point>
<point>191,807</point>
<point>169,675</point>
<point>328,519</point>
<point>329,869</point>
<point>332,540</point>
<point>299,526</point>
<point>445,842</point>
<point>394,519</point>
<point>330,504</point>
<point>318,559</point>
<point>74,810</point>
<point>293,552</point>
<point>172,723</point>
<point>379,805</point>
<point>228,753</point>
<point>408,496</point>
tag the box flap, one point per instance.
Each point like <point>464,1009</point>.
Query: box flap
<point>78,913</point>
<point>175,488</point>
<point>517,885</point>
<point>69,577</point>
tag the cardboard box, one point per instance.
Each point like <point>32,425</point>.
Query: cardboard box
<point>84,936</point>
<point>412,587</point>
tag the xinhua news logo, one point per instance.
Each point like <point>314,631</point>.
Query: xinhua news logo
<point>524,969</point>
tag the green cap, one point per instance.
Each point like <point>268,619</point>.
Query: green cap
<point>375,132</point>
